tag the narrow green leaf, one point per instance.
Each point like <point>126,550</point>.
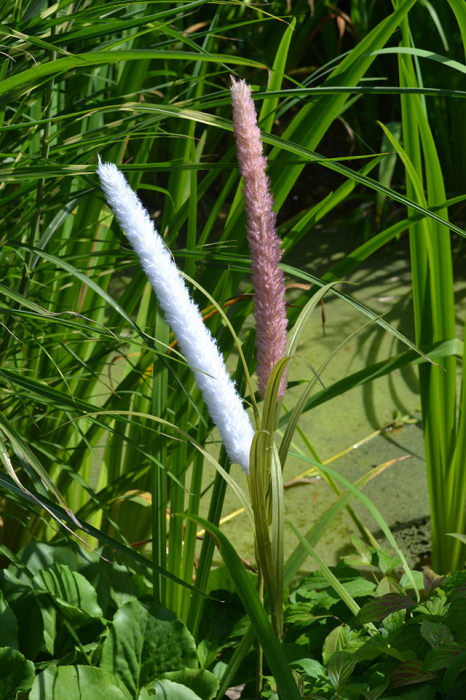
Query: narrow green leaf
<point>272,649</point>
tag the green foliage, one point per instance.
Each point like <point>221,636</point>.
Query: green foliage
<point>394,647</point>
<point>16,673</point>
<point>99,632</point>
<point>74,683</point>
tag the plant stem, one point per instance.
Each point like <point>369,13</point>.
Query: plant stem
<point>259,651</point>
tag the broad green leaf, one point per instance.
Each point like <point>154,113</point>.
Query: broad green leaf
<point>454,669</point>
<point>74,683</point>
<point>312,668</point>
<point>435,633</point>
<point>169,690</point>
<point>377,609</point>
<point>73,593</point>
<point>143,643</point>
<point>337,640</point>
<point>50,622</point>
<point>16,673</point>
<point>442,656</point>
<point>340,667</point>
<point>388,585</point>
<point>410,672</point>
<point>394,621</point>
<point>377,646</point>
<point>386,562</point>
<point>203,683</point>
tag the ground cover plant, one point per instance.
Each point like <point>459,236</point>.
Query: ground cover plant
<point>103,427</point>
<point>92,627</point>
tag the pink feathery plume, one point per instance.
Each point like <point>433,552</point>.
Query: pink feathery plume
<point>268,280</point>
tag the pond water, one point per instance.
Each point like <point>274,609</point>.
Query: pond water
<point>400,493</point>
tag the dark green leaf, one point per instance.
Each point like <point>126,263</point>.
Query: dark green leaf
<point>377,609</point>
<point>436,633</point>
<point>207,653</point>
<point>410,672</point>
<point>394,621</point>
<point>342,638</point>
<point>340,667</point>
<point>142,644</point>
<point>24,604</point>
<point>457,666</point>
<point>373,648</point>
<point>459,592</point>
<point>16,673</point>
<point>202,683</point>
<point>442,657</point>
<point>8,625</point>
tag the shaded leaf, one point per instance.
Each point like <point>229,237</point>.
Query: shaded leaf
<point>377,609</point>
<point>335,641</point>
<point>8,625</point>
<point>457,666</point>
<point>23,602</point>
<point>431,580</point>
<point>442,657</point>
<point>436,633</point>
<point>340,667</point>
<point>16,673</point>
<point>458,593</point>
<point>73,593</point>
<point>374,646</point>
<point>368,692</point>
<point>207,653</point>
<point>410,672</point>
<point>388,585</point>
<point>394,621</point>
<point>386,562</point>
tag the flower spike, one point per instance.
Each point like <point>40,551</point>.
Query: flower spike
<point>183,315</point>
<point>268,280</point>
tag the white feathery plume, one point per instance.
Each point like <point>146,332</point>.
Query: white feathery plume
<point>183,315</point>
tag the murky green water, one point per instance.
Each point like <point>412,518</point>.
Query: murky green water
<point>400,493</point>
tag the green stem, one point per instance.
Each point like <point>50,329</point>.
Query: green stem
<point>259,651</point>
